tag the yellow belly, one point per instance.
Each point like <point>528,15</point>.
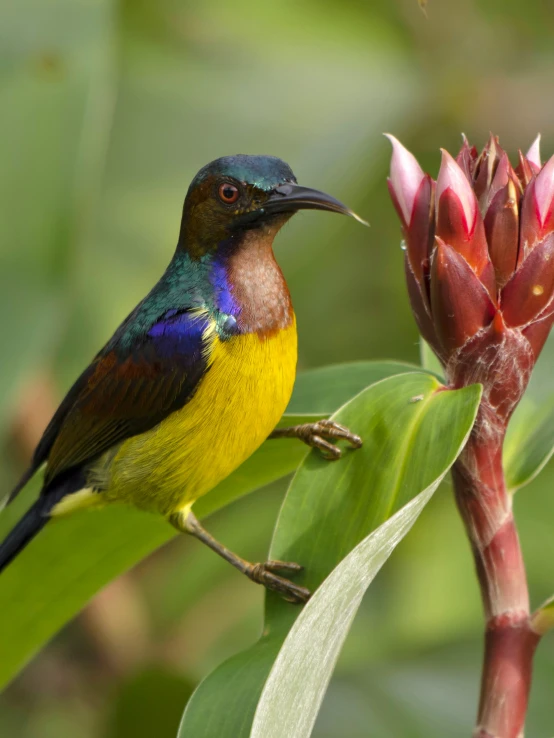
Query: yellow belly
<point>236,406</point>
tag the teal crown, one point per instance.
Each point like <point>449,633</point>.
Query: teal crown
<point>263,172</point>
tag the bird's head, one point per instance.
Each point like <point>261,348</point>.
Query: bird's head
<point>236,194</point>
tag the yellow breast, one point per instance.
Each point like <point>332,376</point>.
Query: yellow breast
<point>236,406</point>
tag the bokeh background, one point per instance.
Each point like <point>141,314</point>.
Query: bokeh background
<point>107,111</point>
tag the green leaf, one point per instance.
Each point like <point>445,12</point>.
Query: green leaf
<point>147,704</point>
<point>325,389</point>
<point>413,429</point>
<point>529,442</point>
<point>296,685</point>
<point>68,562</point>
<point>543,619</point>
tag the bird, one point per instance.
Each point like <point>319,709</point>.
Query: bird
<point>197,376</point>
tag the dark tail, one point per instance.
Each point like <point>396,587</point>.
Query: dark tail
<point>25,530</point>
<point>36,517</point>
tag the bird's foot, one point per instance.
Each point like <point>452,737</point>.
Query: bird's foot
<point>266,574</point>
<point>321,435</point>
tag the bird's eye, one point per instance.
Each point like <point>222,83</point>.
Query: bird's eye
<point>228,193</point>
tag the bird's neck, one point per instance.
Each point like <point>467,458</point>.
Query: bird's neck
<point>238,278</point>
<point>249,284</point>
<point>258,285</point>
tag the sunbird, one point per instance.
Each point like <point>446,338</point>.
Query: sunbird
<point>196,377</point>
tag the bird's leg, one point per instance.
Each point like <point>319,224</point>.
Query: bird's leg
<point>319,435</point>
<point>266,574</point>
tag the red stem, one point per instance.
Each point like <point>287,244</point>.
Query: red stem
<point>486,508</point>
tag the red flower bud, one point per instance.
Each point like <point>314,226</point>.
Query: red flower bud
<point>486,167</point>
<point>524,170</point>
<point>533,156</point>
<point>537,212</point>
<point>531,288</point>
<point>453,180</point>
<point>544,194</point>
<point>405,178</point>
<point>460,304</point>
<point>502,231</point>
<point>459,223</point>
<point>421,308</point>
<point>467,158</point>
<point>487,305</point>
<point>412,192</point>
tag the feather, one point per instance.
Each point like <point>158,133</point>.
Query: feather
<point>36,517</point>
<point>129,388</point>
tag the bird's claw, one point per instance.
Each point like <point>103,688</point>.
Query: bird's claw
<point>265,574</point>
<point>321,434</point>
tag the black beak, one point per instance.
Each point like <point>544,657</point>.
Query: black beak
<point>291,197</point>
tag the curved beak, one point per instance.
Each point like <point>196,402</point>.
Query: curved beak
<point>293,197</point>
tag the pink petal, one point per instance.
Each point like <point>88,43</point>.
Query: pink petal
<point>525,170</point>
<point>405,177</point>
<point>452,176</point>
<point>467,158</point>
<point>534,153</point>
<point>544,190</point>
<point>472,245</point>
<point>487,166</point>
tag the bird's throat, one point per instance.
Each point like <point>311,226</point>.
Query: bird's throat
<point>256,284</point>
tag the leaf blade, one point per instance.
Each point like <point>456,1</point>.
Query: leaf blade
<point>282,713</point>
<point>529,442</point>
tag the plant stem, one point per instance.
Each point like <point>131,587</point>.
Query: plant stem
<point>510,642</point>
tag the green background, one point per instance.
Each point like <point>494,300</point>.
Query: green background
<point>107,111</point>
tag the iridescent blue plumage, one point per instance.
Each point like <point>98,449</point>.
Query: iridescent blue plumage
<point>222,293</point>
<point>179,334</point>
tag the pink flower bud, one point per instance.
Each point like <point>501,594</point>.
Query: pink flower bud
<point>537,210</point>
<point>451,177</point>
<point>544,191</point>
<point>533,156</point>
<point>405,179</point>
<point>486,304</point>
<point>504,173</point>
<point>525,171</point>
<point>530,229</point>
<point>459,222</point>
<point>420,234</point>
<point>486,167</point>
<point>412,193</point>
<point>467,158</point>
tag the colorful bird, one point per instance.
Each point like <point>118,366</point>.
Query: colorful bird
<point>196,377</point>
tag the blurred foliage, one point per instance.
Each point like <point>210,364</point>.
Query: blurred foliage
<point>108,110</point>
<point>148,704</point>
